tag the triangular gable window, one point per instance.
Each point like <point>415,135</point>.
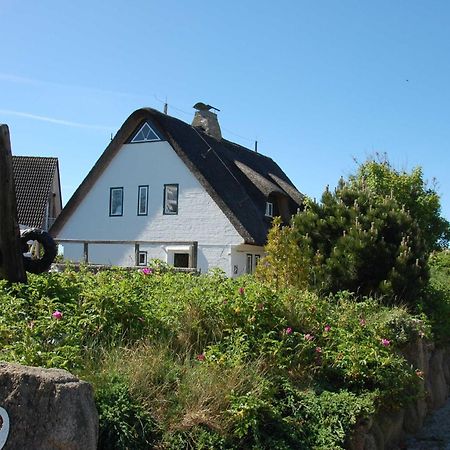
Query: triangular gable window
<point>145,134</point>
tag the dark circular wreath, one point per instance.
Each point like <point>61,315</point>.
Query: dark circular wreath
<point>42,264</point>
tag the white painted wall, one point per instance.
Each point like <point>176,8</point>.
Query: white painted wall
<point>239,258</point>
<point>154,164</point>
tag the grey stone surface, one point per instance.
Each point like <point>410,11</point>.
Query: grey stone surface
<point>435,434</point>
<point>49,409</point>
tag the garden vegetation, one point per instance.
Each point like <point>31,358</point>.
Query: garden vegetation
<point>292,358</point>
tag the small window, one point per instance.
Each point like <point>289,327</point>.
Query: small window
<point>116,201</point>
<point>142,200</point>
<point>142,259</point>
<point>249,267</point>
<point>171,199</point>
<point>257,258</point>
<point>145,134</point>
<point>181,260</point>
<point>269,209</point>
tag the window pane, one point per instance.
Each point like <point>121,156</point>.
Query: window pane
<point>142,200</point>
<point>249,268</point>
<point>171,199</point>
<point>145,134</point>
<point>181,260</point>
<point>116,202</point>
<point>142,259</point>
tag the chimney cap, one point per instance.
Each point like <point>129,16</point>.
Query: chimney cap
<point>199,106</point>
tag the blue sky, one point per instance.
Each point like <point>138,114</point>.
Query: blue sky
<point>317,83</point>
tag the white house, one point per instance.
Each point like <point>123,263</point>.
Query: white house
<point>177,192</point>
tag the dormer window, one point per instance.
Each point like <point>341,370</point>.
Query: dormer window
<point>145,134</point>
<point>269,209</point>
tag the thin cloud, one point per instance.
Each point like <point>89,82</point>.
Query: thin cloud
<point>17,79</point>
<point>33,81</point>
<point>67,123</point>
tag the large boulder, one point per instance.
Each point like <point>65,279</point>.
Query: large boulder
<point>48,409</point>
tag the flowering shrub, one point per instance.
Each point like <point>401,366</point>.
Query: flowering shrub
<point>211,359</point>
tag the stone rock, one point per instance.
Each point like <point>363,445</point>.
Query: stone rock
<point>378,436</point>
<point>370,442</point>
<point>356,442</point>
<point>391,426</point>
<point>436,384</point>
<point>446,366</point>
<point>48,409</point>
<point>414,417</point>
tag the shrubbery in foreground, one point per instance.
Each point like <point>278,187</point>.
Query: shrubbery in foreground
<point>210,362</point>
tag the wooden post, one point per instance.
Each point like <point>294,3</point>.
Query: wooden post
<point>11,257</point>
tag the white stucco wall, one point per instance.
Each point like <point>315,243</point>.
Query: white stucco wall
<point>153,164</point>
<point>238,259</point>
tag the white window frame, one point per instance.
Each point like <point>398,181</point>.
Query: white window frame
<point>172,249</point>
<point>142,262</point>
<point>269,209</point>
<point>112,196</point>
<point>142,211</point>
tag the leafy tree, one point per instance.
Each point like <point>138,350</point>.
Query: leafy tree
<point>410,190</point>
<point>286,263</point>
<point>364,237</point>
<point>364,244</point>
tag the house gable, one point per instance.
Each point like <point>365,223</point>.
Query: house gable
<point>156,166</point>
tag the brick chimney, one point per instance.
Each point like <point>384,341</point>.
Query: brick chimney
<point>207,120</point>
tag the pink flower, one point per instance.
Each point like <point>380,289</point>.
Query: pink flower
<point>327,328</point>
<point>288,330</point>
<point>309,337</point>
<point>57,315</point>
<point>318,349</point>
<point>385,342</point>
<point>201,357</point>
<point>241,290</point>
<point>362,322</point>
<point>147,271</point>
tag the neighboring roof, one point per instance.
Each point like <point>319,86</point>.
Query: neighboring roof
<point>33,179</point>
<point>238,179</point>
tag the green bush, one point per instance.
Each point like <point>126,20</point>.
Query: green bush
<point>209,362</point>
<point>124,423</point>
<point>436,302</point>
<point>371,236</point>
